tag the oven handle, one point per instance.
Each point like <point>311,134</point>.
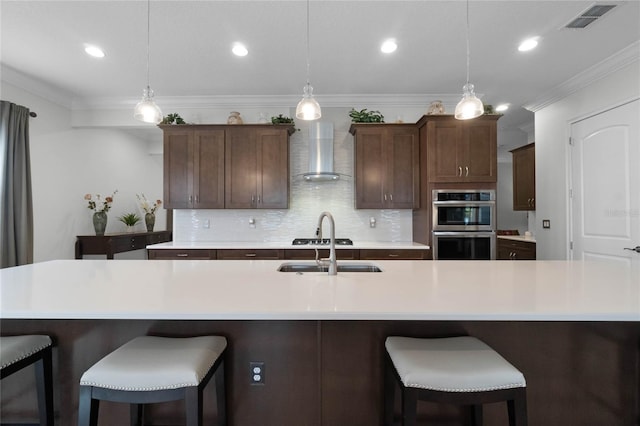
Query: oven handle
<point>473,234</point>
<point>464,203</point>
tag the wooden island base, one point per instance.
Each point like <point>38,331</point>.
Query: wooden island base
<point>329,373</point>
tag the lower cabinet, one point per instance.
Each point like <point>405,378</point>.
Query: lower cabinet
<point>515,250</point>
<point>287,254</point>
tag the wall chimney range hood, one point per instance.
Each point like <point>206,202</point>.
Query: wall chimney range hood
<point>320,153</point>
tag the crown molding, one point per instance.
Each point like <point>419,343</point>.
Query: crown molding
<point>35,86</point>
<point>613,63</point>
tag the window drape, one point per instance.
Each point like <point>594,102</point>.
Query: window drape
<point>16,205</point>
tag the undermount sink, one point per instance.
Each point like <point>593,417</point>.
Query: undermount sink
<point>342,267</point>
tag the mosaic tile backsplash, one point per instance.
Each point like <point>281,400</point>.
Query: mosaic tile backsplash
<point>306,201</point>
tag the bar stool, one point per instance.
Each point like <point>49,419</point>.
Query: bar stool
<point>456,370</point>
<point>152,369</point>
<point>18,352</point>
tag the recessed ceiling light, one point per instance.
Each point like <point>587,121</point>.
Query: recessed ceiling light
<point>528,44</point>
<point>388,46</point>
<point>94,51</point>
<point>239,49</point>
<point>502,107</point>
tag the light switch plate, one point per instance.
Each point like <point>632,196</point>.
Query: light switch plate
<point>546,223</point>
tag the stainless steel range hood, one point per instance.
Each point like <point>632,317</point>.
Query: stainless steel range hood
<point>321,153</point>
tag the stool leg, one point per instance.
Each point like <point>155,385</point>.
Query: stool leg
<point>87,408</point>
<point>409,406</point>
<point>193,405</point>
<point>389,392</point>
<point>221,398</point>
<point>476,415</point>
<point>137,414</point>
<point>518,408</point>
<point>44,385</point>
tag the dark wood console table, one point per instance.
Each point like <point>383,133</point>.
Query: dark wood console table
<point>110,244</point>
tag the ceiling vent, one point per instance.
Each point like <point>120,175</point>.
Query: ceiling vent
<point>590,15</point>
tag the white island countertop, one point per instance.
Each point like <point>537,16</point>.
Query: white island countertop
<point>222,245</point>
<point>254,289</point>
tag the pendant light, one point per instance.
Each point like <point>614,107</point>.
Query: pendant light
<point>469,106</point>
<point>147,110</point>
<point>308,108</point>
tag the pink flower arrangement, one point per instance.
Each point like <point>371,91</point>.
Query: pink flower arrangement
<point>99,204</point>
<point>146,205</point>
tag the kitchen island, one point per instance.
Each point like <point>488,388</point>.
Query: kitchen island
<point>573,328</point>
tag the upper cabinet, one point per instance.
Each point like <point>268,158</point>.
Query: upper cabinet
<point>257,168</point>
<point>193,167</point>
<point>461,150</point>
<point>524,177</point>
<point>386,166</point>
<point>226,166</point>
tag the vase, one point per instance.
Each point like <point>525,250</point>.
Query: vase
<point>150,221</point>
<point>100,222</point>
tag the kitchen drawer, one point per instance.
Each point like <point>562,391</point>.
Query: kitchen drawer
<point>190,254</point>
<point>515,250</point>
<point>263,254</point>
<point>126,244</point>
<point>310,254</point>
<point>393,254</point>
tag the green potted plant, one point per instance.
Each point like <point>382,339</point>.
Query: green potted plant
<point>281,119</point>
<point>130,219</point>
<point>173,119</point>
<point>364,116</point>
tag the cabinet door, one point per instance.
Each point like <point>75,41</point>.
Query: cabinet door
<point>524,178</point>
<point>208,174</point>
<point>241,164</point>
<point>478,156</point>
<point>401,185</point>
<point>442,143</point>
<point>273,169</point>
<point>178,169</point>
<point>370,165</point>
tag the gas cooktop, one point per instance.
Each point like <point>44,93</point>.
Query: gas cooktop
<point>321,242</point>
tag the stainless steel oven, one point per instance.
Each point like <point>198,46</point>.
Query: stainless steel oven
<point>464,223</point>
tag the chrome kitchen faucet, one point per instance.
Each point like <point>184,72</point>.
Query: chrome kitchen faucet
<point>331,261</point>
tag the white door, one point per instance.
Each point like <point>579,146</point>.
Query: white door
<point>605,163</point>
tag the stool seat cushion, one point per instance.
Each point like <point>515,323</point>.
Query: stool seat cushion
<point>452,364</point>
<point>16,348</point>
<point>151,363</point>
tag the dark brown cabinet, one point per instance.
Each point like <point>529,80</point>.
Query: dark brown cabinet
<point>524,177</point>
<point>391,254</point>
<point>386,166</point>
<point>288,254</point>
<point>461,150</point>
<point>110,244</point>
<point>257,168</point>
<point>193,167</point>
<point>515,250</point>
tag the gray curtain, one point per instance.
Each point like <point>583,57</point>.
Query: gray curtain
<point>16,206</point>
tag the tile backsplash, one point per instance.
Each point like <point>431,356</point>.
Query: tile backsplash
<point>306,201</point>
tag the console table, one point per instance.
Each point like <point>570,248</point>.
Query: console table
<point>110,244</point>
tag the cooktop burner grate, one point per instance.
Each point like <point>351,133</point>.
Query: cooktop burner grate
<point>321,242</point>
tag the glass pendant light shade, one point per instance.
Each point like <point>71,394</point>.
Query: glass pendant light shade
<point>308,108</point>
<point>146,110</point>
<point>470,106</point>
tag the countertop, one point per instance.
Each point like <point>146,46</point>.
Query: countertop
<point>522,238</point>
<point>254,289</point>
<point>211,245</point>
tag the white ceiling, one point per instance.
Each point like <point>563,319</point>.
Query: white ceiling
<point>191,47</point>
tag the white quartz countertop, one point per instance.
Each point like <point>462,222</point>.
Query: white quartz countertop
<point>522,238</point>
<point>254,289</point>
<point>211,245</point>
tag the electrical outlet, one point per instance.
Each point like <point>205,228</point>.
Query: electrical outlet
<point>546,223</point>
<point>256,372</point>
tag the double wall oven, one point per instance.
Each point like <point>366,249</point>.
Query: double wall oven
<point>464,224</point>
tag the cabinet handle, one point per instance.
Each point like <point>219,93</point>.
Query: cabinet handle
<point>460,171</point>
<point>393,255</point>
<point>182,255</point>
<point>466,168</point>
<point>391,197</point>
<point>190,199</point>
<point>258,199</point>
<point>385,197</point>
<point>250,255</point>
<point>253,199</point>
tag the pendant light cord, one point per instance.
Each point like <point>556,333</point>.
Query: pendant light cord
<point>468,49</point>
<point>148,42</point>
<point>308,61</point>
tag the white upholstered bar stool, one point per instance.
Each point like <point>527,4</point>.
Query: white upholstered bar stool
<point>456,370</point>
<point>152,369</point>
<point>18,352</point>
